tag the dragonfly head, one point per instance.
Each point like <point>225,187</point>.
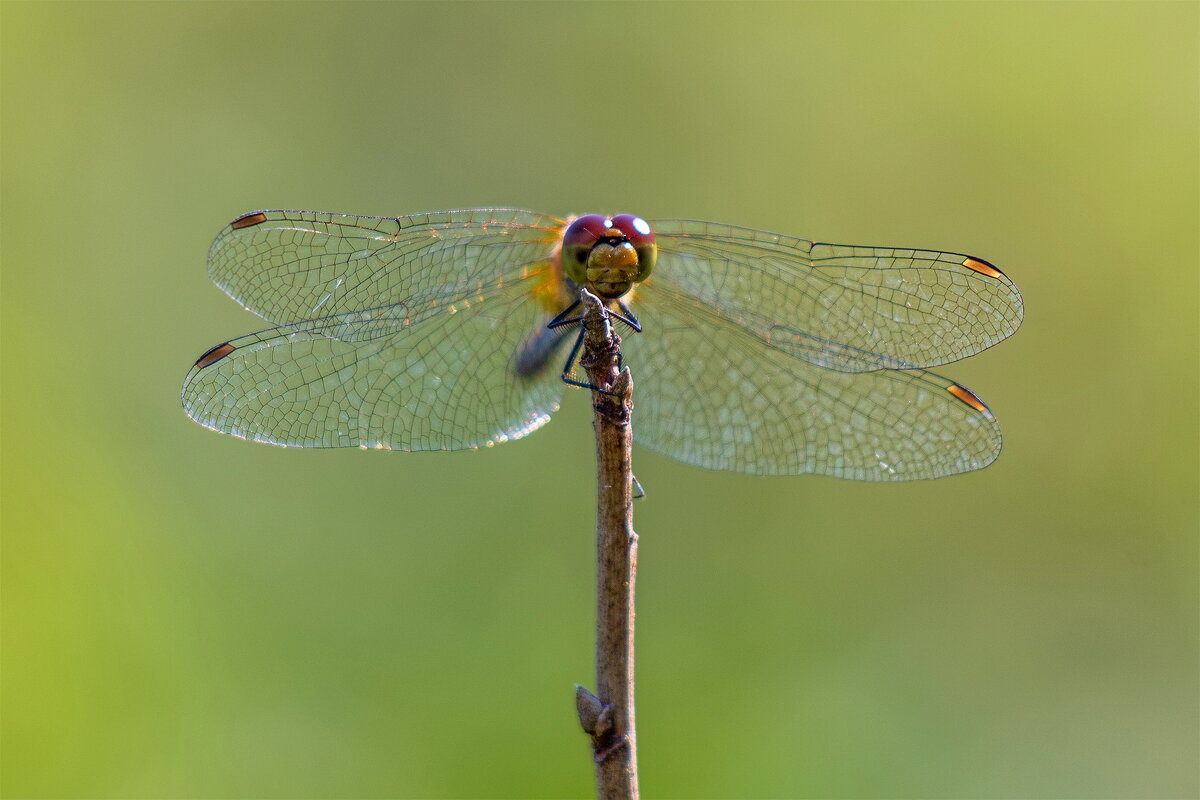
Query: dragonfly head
<point>608,255</point>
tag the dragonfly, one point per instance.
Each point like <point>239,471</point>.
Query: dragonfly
<point>754,352</point>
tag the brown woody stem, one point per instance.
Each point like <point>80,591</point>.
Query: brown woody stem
<point>608,716</point>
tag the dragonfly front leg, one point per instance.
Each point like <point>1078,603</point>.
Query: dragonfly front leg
<point>569,364</point>
<point>564,318</point>
<point>573,358</point>
<point>626,316</point>
<point>629,319</point>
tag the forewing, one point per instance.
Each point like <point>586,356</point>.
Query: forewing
<point>438,375</point>
<point>841,307</point>
<point>713,393</point>
<point>288,266</point>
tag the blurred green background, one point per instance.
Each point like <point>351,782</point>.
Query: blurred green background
<point>190,615</point>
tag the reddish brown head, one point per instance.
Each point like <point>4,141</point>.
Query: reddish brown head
<point>608,255</point>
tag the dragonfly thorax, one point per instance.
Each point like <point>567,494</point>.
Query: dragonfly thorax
<point>608,255</point>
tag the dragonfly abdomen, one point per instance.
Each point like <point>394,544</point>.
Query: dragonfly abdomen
<point>537,349</point>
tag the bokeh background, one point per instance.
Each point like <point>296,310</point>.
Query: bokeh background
<point>190,615</point>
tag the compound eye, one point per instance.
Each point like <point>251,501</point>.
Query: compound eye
<point>639,234</point>
<point>636,229</point>
<point>578,240</point>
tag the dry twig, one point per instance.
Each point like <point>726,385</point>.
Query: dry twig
<point>608,715</point>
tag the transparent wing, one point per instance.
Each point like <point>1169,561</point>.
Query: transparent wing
<point>382,378</point>
<point>841,307</point>
<point>295,265</point>
<point>397,333</point>
<point>713,392</point>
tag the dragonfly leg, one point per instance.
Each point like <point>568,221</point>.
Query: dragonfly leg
<point>573,357</point>
<point>627,317</point>
<point>569,365</point>
<point>561,319</point>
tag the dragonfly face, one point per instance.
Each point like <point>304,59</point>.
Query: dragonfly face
<point>608,255</point>
<point>761,353</point>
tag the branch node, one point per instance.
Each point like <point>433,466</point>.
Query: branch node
<point>602,754</point>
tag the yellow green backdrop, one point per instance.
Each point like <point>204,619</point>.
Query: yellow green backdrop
<point>189,615</point>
